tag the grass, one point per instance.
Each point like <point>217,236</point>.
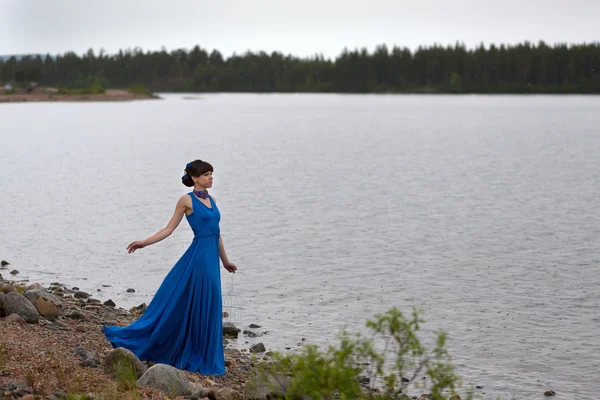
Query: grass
<point>2,356</point>
<point>126,377</point>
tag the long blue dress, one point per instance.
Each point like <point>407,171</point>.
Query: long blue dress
<point>182,325</point>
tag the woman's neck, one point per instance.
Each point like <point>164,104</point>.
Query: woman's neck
<point>199,188</point>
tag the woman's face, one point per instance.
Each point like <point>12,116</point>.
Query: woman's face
<point>204,180</point>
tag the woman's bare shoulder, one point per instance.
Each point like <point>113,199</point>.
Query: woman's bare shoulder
<point>185,200</point>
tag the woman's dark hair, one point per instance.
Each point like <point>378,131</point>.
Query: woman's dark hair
<point>195,168</point>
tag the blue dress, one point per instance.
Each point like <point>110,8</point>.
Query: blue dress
<point>182,325</point>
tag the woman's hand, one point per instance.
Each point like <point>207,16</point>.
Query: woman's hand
<point>230,267</point>
<point>139,244</point>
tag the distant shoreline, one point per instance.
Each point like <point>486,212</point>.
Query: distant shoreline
<point>108,95</point>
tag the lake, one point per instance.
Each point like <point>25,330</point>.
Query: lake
<point>483,211</point>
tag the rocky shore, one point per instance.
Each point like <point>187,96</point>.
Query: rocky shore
<point>52,347</point>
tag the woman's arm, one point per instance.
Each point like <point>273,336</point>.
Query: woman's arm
<point>229,266</point>
<point>180,209</point>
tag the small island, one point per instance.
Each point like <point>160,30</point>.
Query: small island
<point>34,93</point>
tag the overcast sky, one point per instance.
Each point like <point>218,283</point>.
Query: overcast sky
<point>298,27</point>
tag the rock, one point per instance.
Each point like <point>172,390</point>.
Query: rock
<point>120,358</point>
<point>80,328</point>
<point>4,263</point>
<point>90,363</point>
<point>266,386</point>
<point>110,303</point>
<point>93,301</point>
<point>18,304</point>
<point>549,393</point>
<point>15,319</point>
<point>2,296</point>
<point>455,397</point>
<point>6,288</point>
<point>81,295</point>
<point>14,272</point>
<point>405,380</point>
<point>130,290</point>
<point>251,334</point>
<point>88,359</point>
<point>14,388</point>
<point>231,331</point>
<point>76,314</point>
<point>139,310</point>
<point>46,304</point>
<point>363,380</point>
<point>257,348</point>
<point>224,393</point>
<point>55,326</point>
<point>34,286</point>
<point>167,379</point>
<point>253,326</point>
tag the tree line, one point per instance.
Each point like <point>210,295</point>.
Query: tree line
<point>521,68</point>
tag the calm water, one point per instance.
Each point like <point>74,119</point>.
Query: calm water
<point>481,211</point>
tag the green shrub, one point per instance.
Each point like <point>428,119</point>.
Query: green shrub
<point>335,372</point>
<point>83,91</point>
<point>126,375</point>
<point>139,89</point>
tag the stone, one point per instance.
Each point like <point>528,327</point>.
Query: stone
<point>2,296</point>
<point>167,379</point>
<point>34,286</point>
<point>15,319</point>
<point>6,288</point>
<point>110,303</point>
<point>258,348</point>
<point>55,326</point>
<point>76,314</point>
<point>224,393</point>
<point>81,295</point>
<point>230,331</point>
<point>263,385</point>
<point>88,359</point>
<point>123,358</point>
<point>46,304</point>
<point>18,304</point>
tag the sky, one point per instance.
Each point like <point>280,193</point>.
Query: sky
<point>299,27</point>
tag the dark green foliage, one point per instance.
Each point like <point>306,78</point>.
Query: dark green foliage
<point>397,366</point>
<point>523,68</point>
<point>139,89</point>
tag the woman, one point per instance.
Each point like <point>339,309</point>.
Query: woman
<point>182,325</point>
